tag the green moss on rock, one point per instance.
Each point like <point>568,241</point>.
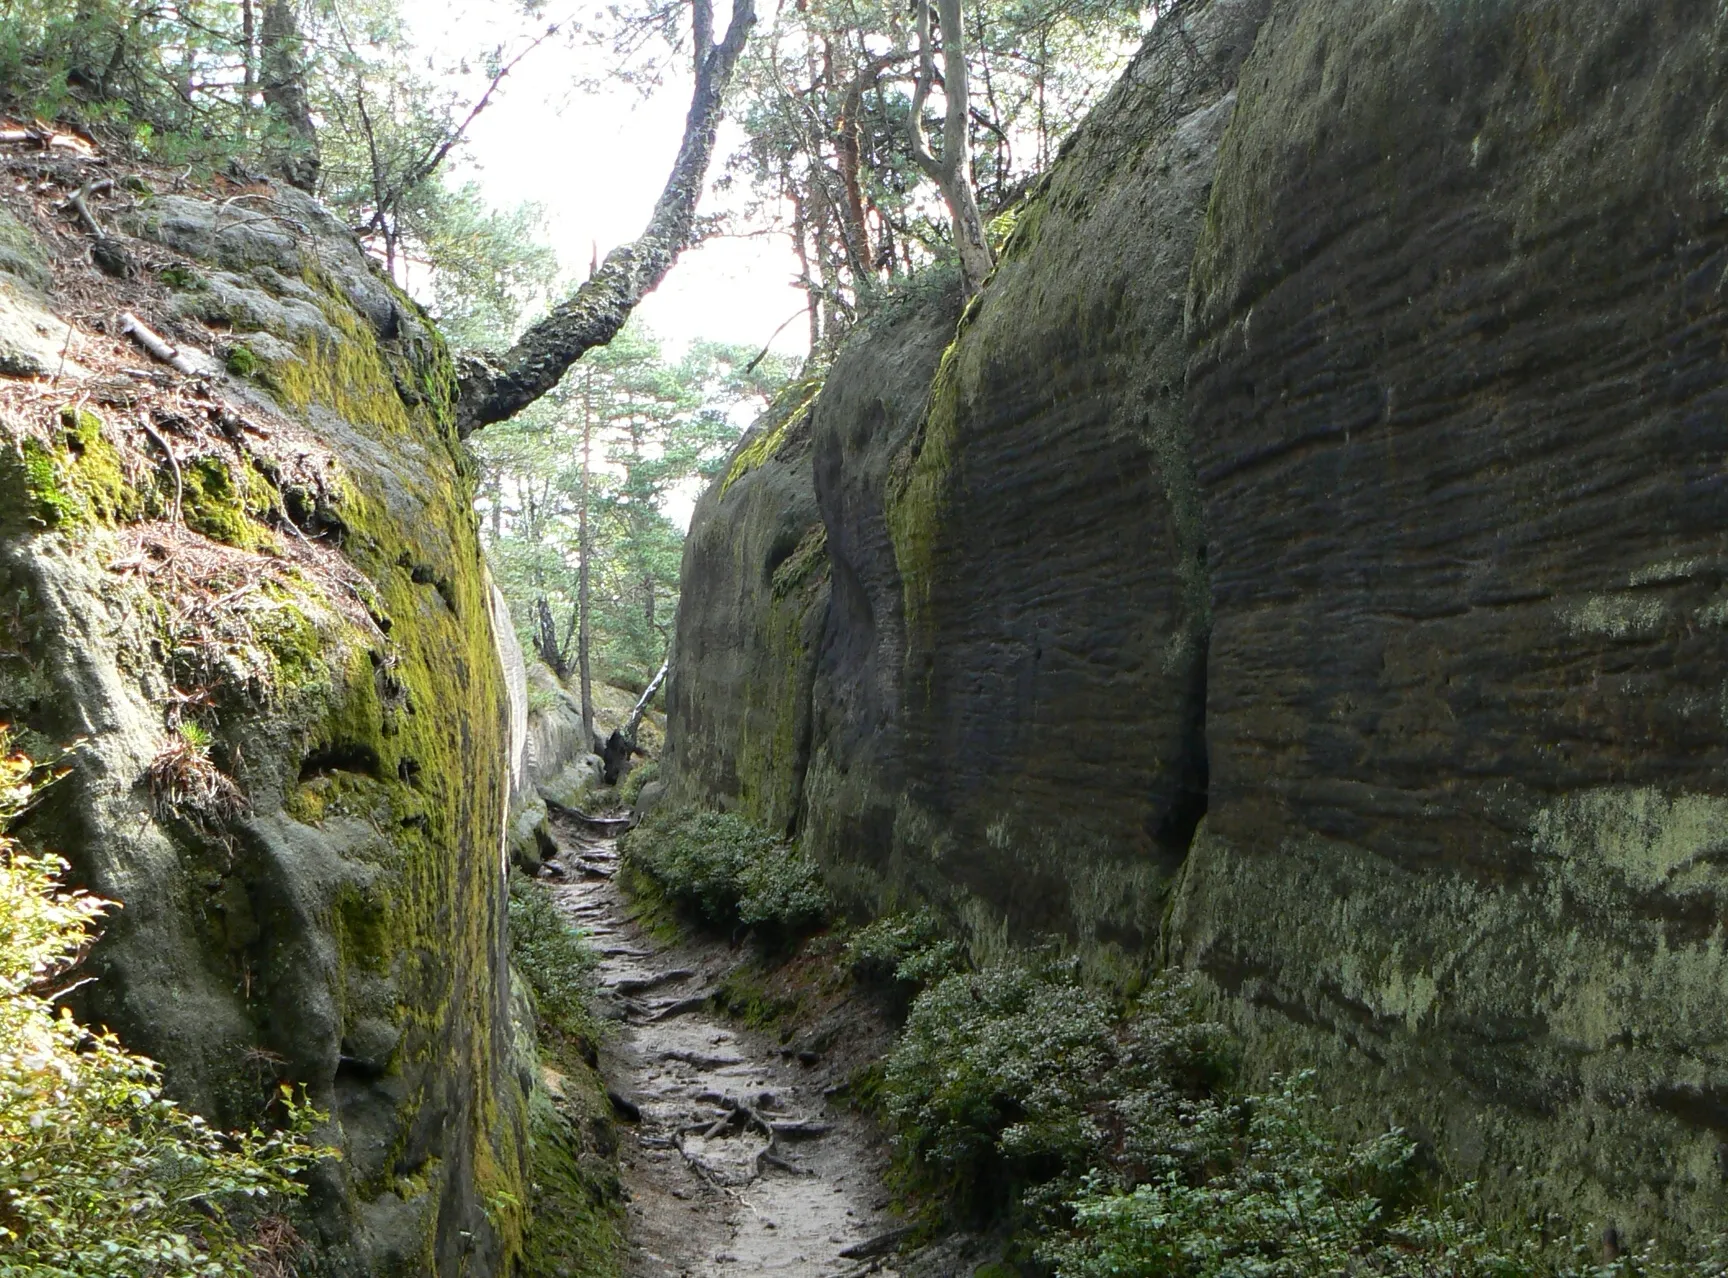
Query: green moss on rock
<point>357,913</point>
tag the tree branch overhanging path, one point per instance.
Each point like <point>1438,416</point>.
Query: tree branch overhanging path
<point>492,388</point>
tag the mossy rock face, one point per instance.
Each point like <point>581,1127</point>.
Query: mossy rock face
<point>341,923</point>
<point>21,256</point>
<point>1006,699</point>
<point>748,639</point>
<point>1336,452</point>
<point>1046,528</point>
<point>1459,413</point>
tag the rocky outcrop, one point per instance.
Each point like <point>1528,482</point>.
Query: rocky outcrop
<point>1304,561</point>
<point>270,659</point>
<point>860,766</point>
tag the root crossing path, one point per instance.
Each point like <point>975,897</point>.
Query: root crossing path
<point>734,1161</point>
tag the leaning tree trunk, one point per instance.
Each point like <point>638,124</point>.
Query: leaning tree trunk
<point>493,388</point>
<point>952,172</point>
<point>634,723</point>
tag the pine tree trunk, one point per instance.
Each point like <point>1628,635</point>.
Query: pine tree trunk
<point>584,557</point>
<point>282,81</point>
<point>952,173</point>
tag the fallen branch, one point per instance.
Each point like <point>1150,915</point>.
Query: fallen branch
<point>156,345</point>
<point>173,462</point>
<point>78,205</point>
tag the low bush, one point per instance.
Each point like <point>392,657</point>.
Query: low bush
<point>1279,1196</point>
<point>1012,1082</point>
<point>1105,1132</point>
<point>728,871</point>
<point>554,959</point>
<point>100,1173</point>
<point>1275,1197</point>
<point>910,948</point>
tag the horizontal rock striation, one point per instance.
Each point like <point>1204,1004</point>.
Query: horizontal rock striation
<point>1459,413</point>
<point>1306,561</point>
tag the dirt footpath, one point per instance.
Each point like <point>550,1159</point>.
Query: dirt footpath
<point>737,1163</point>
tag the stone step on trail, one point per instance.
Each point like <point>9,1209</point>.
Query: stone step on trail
<point>735,1162</point>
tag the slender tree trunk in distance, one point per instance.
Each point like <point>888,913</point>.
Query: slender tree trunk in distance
<point>249,48</point>
<point>952,173</point>
<point>547,638</point>
<point>584,554</point>
<point>282,81</point>
<point>491,389</point>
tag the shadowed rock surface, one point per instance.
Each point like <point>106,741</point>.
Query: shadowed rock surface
<point>1459,420</point>
<point>756,565</point>
<point>1307,561</point>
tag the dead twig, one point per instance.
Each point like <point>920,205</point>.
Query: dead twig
<point>77,203</point>
<point>158,347</point>
<point>173,463</point>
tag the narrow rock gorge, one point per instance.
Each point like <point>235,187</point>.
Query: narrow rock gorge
<point>1305,562</point>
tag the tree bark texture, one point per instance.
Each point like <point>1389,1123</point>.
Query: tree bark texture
<point>282,82</point>
<point>494,388</point>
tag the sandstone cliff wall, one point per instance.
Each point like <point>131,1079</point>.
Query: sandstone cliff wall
<point>272,663</point>
<point>1304,561</point>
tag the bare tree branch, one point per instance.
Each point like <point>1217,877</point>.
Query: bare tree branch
<point>494,388</point>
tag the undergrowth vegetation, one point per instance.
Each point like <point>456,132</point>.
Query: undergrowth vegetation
<point>555,961</point>
<point>1104,1127</point>
<point>577,1207</point>
<point>1109,1133</point>
<point>727,871</point>
<point>101,1174</point>
<point>910,948</point>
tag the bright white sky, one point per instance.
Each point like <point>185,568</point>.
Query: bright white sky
<point>595,162</point>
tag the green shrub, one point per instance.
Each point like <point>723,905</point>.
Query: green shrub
<point>1021,1078</point>
<point>728,871</point>
<point>1288,1202</point>
<point>909,947</point>
<point>241,361</point>
<point>1277,1195</point>
<point>101,1174</point>
<point>554,959</point>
